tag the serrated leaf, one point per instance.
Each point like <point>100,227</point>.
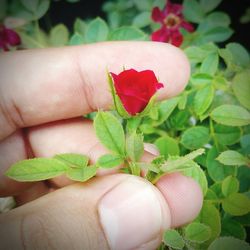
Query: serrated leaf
<point>59,35</point>
<point>239,54</point>
<point>76,39</point>
<point>79,26</point>
<point>231,115</point>
<point>167,146</point>
<point>96,31</point>
<point>73,160</point>
<point>110,132</point>
<point>30,5</point>
<point>210,216</point>
<point>210,64</point>
<point>134,146</point>
<point>165,109</point>
<point>193,170</point>
<point>177,162</point>
<point>203,99</point>
<point>127,33</point>
<point>142,19</point>
<point>36,169</point>
<point>232,158</point>
<point>209,5</point>
<point>241,88</point>
<point>192,11</point>
<point>227,135</point>
<point>195,137</point>
<point>236,204</point>
<point>217,34</point>
<point>229,243</point>
<point>109,161</point>
<point>197,232</point>
<point>216,170</point>
<point>230,185</point>
<point>81,174</point>
<point>173,239</point>
<point>233,228</point>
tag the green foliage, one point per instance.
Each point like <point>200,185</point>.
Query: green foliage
<point>173,239</point>
<point>228,243</point>
<point>212,112</point>
<point>110,132</point>
<point>36,169</point>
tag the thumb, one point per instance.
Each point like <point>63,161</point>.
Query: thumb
<point>110,212</point>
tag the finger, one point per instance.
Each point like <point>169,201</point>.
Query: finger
<point>39,86</point>
<point>116,212</point>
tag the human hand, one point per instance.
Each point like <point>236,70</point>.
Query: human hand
<point>44,93</point>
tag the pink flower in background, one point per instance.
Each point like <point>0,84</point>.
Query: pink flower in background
<point>8,38</point>
<point>171,20</point>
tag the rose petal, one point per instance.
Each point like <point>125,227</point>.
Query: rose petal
<point>187,26</point>
<point>157,15</point>
<point>161,35</point>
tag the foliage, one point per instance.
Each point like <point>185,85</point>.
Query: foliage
<point>211,113</point>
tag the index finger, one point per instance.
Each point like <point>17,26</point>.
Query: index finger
<point>44,85</point>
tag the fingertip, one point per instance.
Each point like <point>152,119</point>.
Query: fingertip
<point>183,195</point>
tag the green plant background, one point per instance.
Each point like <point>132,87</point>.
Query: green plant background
<point>212,112</point>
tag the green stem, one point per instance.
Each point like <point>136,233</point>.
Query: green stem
<point>211,126</point>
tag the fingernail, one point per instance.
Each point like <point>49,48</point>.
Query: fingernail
<point>132,214</point>
<point>151,148</point>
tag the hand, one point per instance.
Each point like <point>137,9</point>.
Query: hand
<point>44,93</point>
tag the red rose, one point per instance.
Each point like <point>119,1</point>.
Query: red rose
<point>135,89</point>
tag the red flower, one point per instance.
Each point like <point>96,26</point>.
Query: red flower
<point>171,20</point>
<point>8,38</point>
<point>135,89</point>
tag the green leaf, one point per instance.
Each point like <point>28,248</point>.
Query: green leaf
<point>73,160</point>
<point>134,146</point>
<point>41,9</point>
<point>216,170</point>
<point>231,115</point>
<point>127,33</point>
<point>197,232</point>
<point>193,170</point>
<point>210,64</point>
<point>233,228</point>
<point>236,204</point>
<point>229,243</point>
<point>215,19</point>
<point>195,137</point>
<point>143,5</point>
<point>3,8</point>
<point>165,109</point>
<point>241,88</point>
<point>203,99</point>
<point>167,146</point>
<point>110,132</point>
<point>232,158</point>
<point>210,5</point>
<point>210,216</point>
<point>217,34</point>
<point>230,185</point>
<point>109,161</point>
<point>79,26</point>
<point>30,5</point>
<point>59,35</point>
<point>196,54</point>
<point>81,174</point>
<point>245,143</point>
<point>239,53</point>
<point>192,11</point>
<point>36,169</point>
<point>177,162</point>
<point>201,79</point>
<point>76,39</point>
<point>227,135</point>
<point>173,239</point>
<point>143,19</point>
<point>96,31</point>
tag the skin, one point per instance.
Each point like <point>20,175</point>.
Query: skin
<point>43,94</point>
